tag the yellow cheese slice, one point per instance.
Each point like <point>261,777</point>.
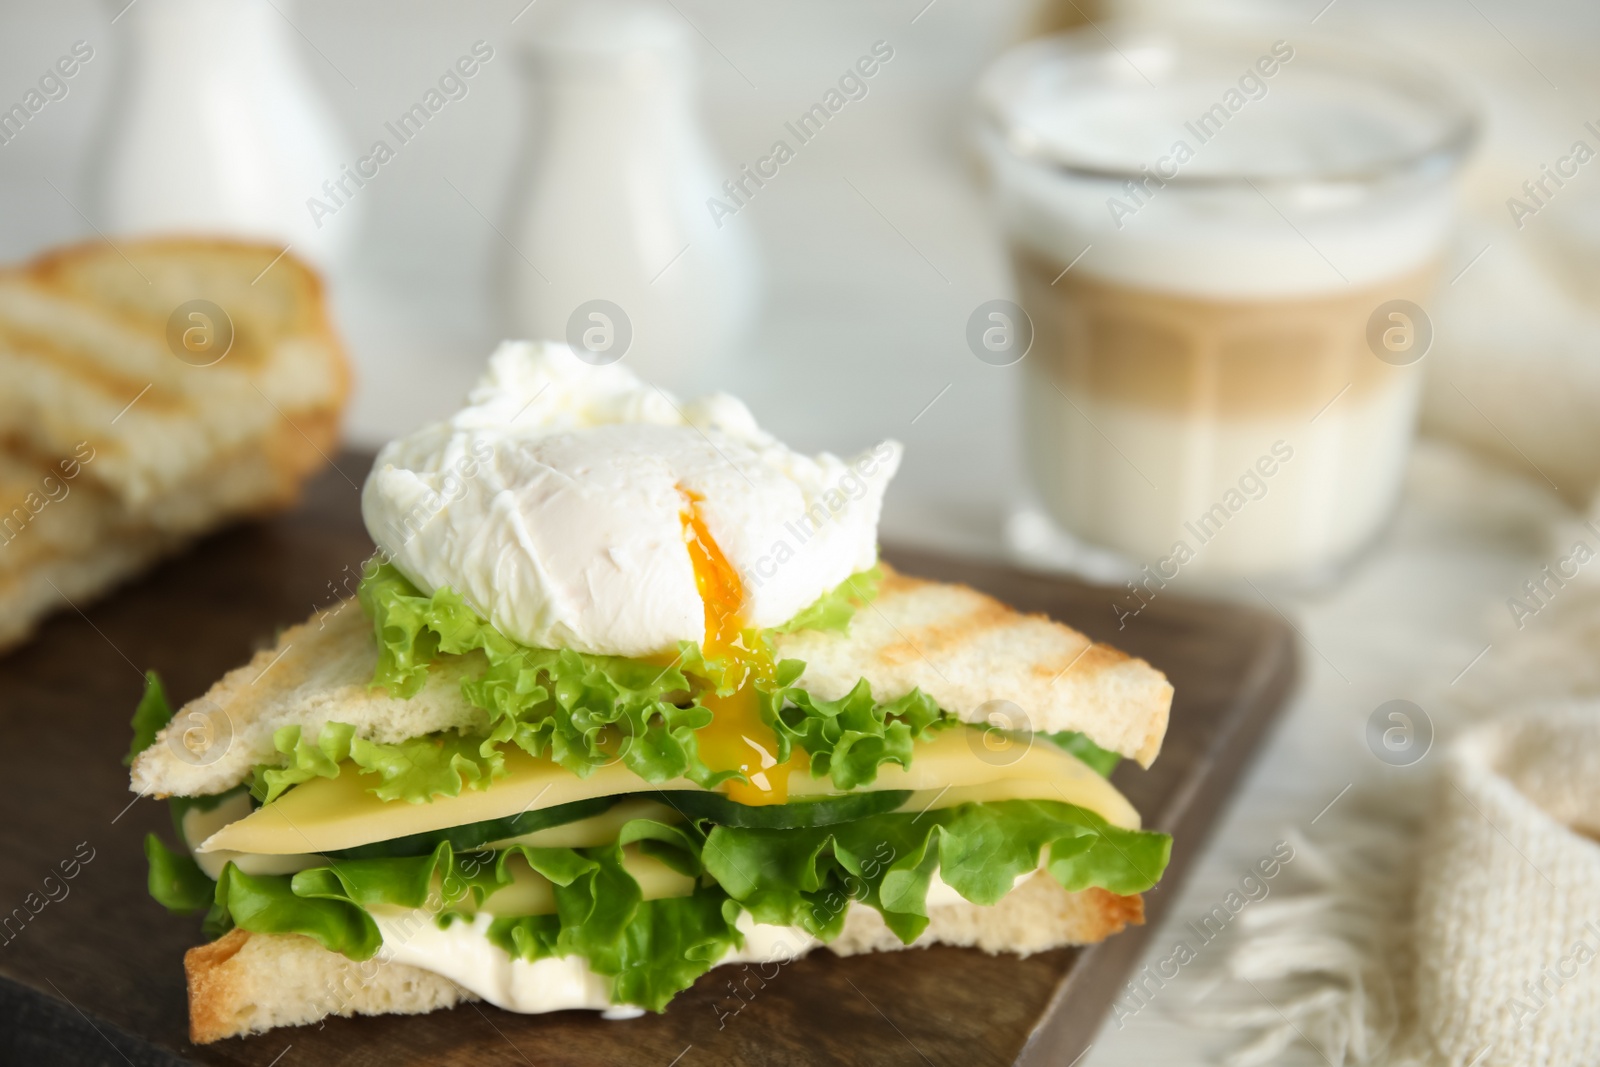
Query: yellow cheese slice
<point>601,829</point>
<point>326,814</point>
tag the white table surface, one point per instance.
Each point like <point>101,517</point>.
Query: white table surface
<point>868,291</point>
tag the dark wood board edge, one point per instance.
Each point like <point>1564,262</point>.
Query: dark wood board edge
<point>1080,1003</point>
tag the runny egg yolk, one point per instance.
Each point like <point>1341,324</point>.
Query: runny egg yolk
<point>737,739</point>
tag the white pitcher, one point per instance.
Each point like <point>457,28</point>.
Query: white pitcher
<point>218,128</point>
<point>614,244</point>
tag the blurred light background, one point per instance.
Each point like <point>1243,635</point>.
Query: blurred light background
<point>875,242</point>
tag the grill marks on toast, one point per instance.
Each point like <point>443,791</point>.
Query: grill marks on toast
<point>965,650</point>
<point>83,333</point>
<point>52,358</point>
<point>178,449</point>
<point>265,303</point>
<point>983,616</point>
<point>1094,658</point>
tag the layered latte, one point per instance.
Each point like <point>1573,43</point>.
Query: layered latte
<point>1202,388</point>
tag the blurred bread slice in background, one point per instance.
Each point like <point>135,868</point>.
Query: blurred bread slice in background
<point>85,355</point>
<point>63,540</point>
<point>149,392</point>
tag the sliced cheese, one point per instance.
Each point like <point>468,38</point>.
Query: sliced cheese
<point>327,814</point>
<point>595,830</point>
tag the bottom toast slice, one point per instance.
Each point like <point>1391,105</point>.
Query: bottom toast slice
<point>246,983</point>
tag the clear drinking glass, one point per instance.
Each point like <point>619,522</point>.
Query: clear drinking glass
<point>1225,242</point>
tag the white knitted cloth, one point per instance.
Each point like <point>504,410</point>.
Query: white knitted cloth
<point>1475,943</point>
<point>1508,899</point>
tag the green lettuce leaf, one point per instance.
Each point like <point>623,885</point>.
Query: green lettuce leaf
<point>808,877</point>
<point>271,904</point>
<point>176,881</point>
<point>430,766</point>
<point>834,609</point>
<point>664,946</point>
<point>584,711</point>
<point>149,717</point>
<point>398,881</point>
<point>850,738</point>
<point>1100,760</point>
<point>588,711</point>
<point>653,949</point>
<point>417,770</point>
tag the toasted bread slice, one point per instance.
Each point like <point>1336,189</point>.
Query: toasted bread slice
<point>63,540</point>
<point>50,511</point>
<point>87,356</point>
<point>113,450</point>
<point>964,649</point>
<point>67,539</point>
<point>245,983</point>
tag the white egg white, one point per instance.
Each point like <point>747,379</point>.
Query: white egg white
<point>554,501</point>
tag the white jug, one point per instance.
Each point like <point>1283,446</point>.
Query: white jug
<point>614,246</point>
<point>218,128</point>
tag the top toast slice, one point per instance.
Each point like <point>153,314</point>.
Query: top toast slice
<point>968,651</point>
<point>964,649</point>
<point>91,351</point>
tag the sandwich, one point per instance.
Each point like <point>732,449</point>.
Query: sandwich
<point>624,694</point>
<point>150,392</point>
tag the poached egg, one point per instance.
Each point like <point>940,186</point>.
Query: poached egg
<point>575,506</point>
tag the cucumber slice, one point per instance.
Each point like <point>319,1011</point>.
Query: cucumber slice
<point>797,815</point>
<point>477,834</point>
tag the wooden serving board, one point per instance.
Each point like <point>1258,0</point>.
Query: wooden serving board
<point>92,970</point>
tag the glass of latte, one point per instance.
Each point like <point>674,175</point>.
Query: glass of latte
<point>1224,245</point>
